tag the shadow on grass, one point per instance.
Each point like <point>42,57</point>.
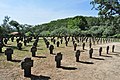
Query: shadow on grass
<point>61,47</point>
<point>13,47</point>
<point>16,61</point>
<point>84,62</point>
<point>97,58</point>
<point>23,50</point>
<point>106,56</point>
<point>28,45</point>
<point>68,68</point>
<point>117,52</point>
<point>35,77</point>
<point>40,56</point>
<point>40,49</point>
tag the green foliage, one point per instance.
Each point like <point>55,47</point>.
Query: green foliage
<point>45,33</point>
<point>75,32</point>
<point>15,24</point>
<point>109,31</point>
<point>116,36</point>
<point>60,32</point>
<point>107,8</point>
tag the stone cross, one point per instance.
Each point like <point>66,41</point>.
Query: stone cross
<point>1,46</point>
<point>5,40</point>
<point>33,50</point>
<point>58,43</point>
<point>100,51</point>
<point>83,46</point>
<point>91,52</point>
<point>12,38</point>
<point>90,45</point>
<point>113,47</point>
<point>25,42</point>
<point>61,41</point>
<point>47,44</point>
<point>26,64</point>
<point>58,59</point>
<point>19,45</point>
<point>66,42</point>
<point>77,54</point>
<point>35,43</point>
<point>107,49</point>
<point>75,45</point>
<point>17,40</point>
<point>8,53</point>
<point>51,49</point>
<point>54,41</point>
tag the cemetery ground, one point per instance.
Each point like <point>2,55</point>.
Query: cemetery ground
<point>105,67</point>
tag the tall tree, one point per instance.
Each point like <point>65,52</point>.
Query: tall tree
<point>15,24</point>
<point>107,8</point>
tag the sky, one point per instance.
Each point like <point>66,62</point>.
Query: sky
<point>35,12</point>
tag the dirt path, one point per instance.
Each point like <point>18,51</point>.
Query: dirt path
<point>106,67</point>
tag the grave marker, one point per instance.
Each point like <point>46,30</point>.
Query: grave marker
<point>58,59</point>
<point>8,53</point>
<point>26,64</point>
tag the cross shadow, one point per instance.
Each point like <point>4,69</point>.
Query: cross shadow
<point>40,56</point>
<point>40,49</point>
<point>16,61</point>
<point>106,56</point>
<point>68,68</point>
<point>13,47</point>
<point>61,47</point>
<point>117,52</point>
<point>24,50</point>
<point>28,45</point>
<point>35,77</point>
<point>84,62</point>
<point>1,52</point>
<point>98,58</point>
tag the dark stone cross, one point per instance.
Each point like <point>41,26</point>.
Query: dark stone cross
<point>58,59</point>
<point>35,43</point>
<point>17,40</point>
<point>77,54</point>
<point>12,38</point>
<point>51,49</point>
<point>66,42</point>
<point>26,64</point>
<point>19,45</point>
<point>1,46</point>
<point>91,52</point>
<point>75,45</point>
<point>107,49</point>
<point>33,50</point>
<point>61,41</point>
<point>113,47</point>
<point>100,51</point>
<point>90,45</point>
<point>73,42</point>
<point>5,40</point>
<point>83,46</point>
<point>8,53</point>
<point>58,43</point>
<point>25,42</point>
<point>54,41</point>
<point>47,44</point>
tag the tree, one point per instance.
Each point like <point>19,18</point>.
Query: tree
<point>6,25</point>
<point>107,8</point>
<point>15,24</point>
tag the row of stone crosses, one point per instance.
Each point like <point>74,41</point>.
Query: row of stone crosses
<point>27,63</point>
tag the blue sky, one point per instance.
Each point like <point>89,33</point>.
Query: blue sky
<point>43,11</point>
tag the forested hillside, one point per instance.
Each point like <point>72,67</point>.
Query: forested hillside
<point>74,26</point>
<point>80,25</point>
